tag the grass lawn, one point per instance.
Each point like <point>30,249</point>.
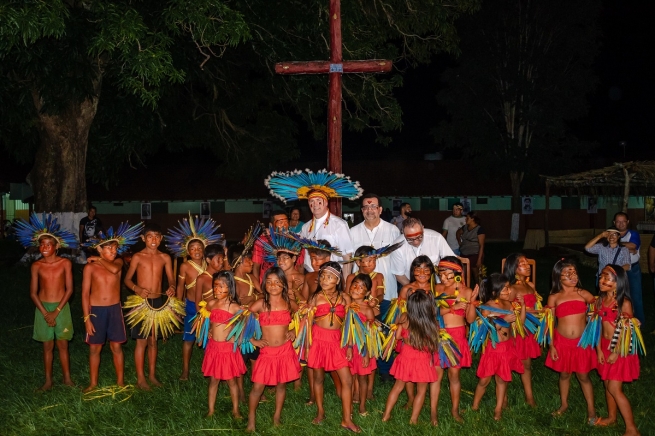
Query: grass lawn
<point>180,407</point>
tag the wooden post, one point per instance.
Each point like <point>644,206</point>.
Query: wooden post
<point>547,239</point>
<point>626,190</point>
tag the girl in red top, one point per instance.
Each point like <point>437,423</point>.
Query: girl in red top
<point>416,362</point>
<point>325,354</point>
<point>277,363</point>
<point>361,366</point>
<point>459,312</point>
<point>518,272</point>
<point>570,301</point>
<point>614,370</point>
<point>222,361</point>
<point>500,359</point>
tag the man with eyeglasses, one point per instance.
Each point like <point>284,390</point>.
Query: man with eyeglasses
<point>279,221</point>
<point>417,241</point>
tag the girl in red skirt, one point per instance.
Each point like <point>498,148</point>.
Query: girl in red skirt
<point>499,357</point>
<point>325,354</point>
<point>277,363</point>
<point>459,312</point>
<point>518,272</point>
<point>222,361</point>
<point>614,369</point>
<point>416,362</point>
<point>361,366</point>
<point>569,302</point>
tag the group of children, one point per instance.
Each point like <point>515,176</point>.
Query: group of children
<point>433,325</point>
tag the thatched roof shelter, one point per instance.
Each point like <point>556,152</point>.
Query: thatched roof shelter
<point>618,179</point>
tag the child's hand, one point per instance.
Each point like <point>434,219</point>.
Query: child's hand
<point>291,335</point>
<point>171,291</point>
<point>259,343</point>
<point>510,318</point>
<point>90,330</point>
<point>553,353</point>
<point>460,306</point>
<point>50,318</point>
<point>475,293</point>
<point>601,356</point>
<point>365,361</point>
<point>349,354</point>
<point>521,299</point>
<point>92,259</point>
<point>612,358</point>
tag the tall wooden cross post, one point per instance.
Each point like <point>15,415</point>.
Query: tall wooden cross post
<point>334,68</point>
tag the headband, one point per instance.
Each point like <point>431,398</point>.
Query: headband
<point>332,271</point>
<point>450,265</point>
<point>412,235</point>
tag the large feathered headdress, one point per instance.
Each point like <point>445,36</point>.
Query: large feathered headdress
<point>28,233</point>
<point>192,229</point>
<point>248,241</point>
<point>380,252</point>
<point>278,243</point>
<point>298,185</point>
<point>124,235</point>
<point>311,244</point>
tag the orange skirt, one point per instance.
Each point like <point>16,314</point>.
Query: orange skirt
<point>276,365</point>
<point>221,361</point>
<point>325,351</point>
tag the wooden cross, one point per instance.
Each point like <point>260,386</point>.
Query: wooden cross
<point>334,68</point>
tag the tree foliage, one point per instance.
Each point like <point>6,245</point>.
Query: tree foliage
<point>524,71</point>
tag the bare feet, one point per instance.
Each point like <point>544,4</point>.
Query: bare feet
<point>634,432</point>
<point>532,403</point>
<point>250,429</point>
<point>498,414</point>
<point>184,376</point>
<point>277,422</point>
<point>352,427</point>
<point>209,414</point>
<point>143,385</point>
<point>69,382</point>
<point>46,387</point>
<point>309,402</point>
<point>407,406</point>
<point>456,416</point>
<point>434,422</point>
<point>237,415</point>
<point>89,388</point>
<point>156,383</point>
<point>560,411</point>
<point>605,422</point>
<point>370,396</point>
<point>413,422</point>
<point>318,420</point>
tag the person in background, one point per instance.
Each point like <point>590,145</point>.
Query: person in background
<point>295,225</point>
<point>90,225</point>
<point>471,243</point>
<point>651,262</point>
<point>405,212</point>
<point>630,240</point>
<point>608,251</point>
<point>451,225</point>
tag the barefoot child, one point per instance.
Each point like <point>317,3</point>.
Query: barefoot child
<point>615,366</point>
<point>361,366</point>
<point>499,357</point>
<point>415,363</point>
<point>325,354</point>
<point>148,265</point>
<point>459,312</point>
<point>51,286</point>
<point>517,270</point>
<point>101,298</point>
<point>188,241</point>
<point>216,260</point>
<point>569,301</point>
<point>222,361</point>
<point>277,363</point>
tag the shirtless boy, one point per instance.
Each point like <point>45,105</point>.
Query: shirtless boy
<point>103,315</point>
<point>216,262</point>
<point>148,264</point>
<point>51,286</point>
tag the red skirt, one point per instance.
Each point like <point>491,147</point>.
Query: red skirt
<point>411,365</point>
<point>500,361</point>
<point>571,357</point>
<point>325,351</point>
<point>459,336</point>
<point>527,347</point>
<point>356,363</point>
<point>625,369</point>
<point>276,365</point>
<point>222,362</point>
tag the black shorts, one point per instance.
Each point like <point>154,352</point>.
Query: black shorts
<point>108,324</point>
<point>155,303</point>
<point>250,356</point>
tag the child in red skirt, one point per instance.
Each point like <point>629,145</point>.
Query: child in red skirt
<point>361,366</point>
<point>459,312</point>
<point>614,370</point>
<point>569,301</point>
<point>518,272</point>
<point>498,359</point>
<point>325,354</point>
<point>222,361</point>
<point>417,361</point>
<point>277,363</point>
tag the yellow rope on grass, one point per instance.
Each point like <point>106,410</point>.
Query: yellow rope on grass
<point>110,391</point>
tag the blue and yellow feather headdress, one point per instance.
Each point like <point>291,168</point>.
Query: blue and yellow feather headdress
<point>124,235</point>
<point>311,244</point>
<point>248,241</point>
<point>192,229</point>
<point>380,252</point>
<point>280,242</point>
<point>298,185</point>
<point>29,232</point>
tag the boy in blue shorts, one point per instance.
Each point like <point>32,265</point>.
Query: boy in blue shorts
<point>101,299</point>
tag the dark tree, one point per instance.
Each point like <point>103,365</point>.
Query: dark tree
<point>524,71</point>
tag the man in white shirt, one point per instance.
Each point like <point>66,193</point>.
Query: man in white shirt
<point>417,241</point>
<point>451,225</point>
<point>324,225</point>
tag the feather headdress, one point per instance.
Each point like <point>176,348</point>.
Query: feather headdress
<point>124,235</point>
<point>299,185</point>
<point>29,232</point>
<point>279,242</point>
<point>380,252</point>
<point>248,241</point>
<point>310,244</point>
<point>192,229</point>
